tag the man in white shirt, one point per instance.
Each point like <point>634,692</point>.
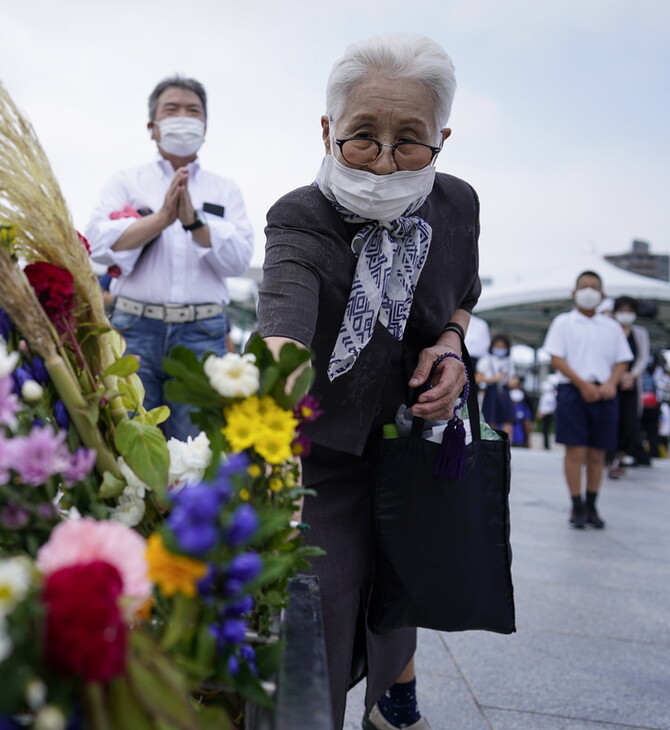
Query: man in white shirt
<point>590,353</point>
<point>171,232</point>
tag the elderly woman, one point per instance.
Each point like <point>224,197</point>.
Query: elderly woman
<point>373,267</point>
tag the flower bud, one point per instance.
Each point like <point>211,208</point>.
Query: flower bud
<point>31,391</point>
<point>36,693</point>
<point>50,717</point>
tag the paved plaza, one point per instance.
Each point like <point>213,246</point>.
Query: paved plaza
<point>592,648</point>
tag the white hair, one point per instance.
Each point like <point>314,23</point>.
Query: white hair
<point>394,56</point>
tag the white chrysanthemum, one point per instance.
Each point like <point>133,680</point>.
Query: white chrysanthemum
<point>50,717</point>
<point>233,375</point>
<point>31,391</point>
<point>15,580</point>
<point>8,360</point>
<point>188,460</point>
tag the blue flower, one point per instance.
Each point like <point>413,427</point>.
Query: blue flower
<point>244,567</point>
<point>228,633</point>
<point>243,525</point>
<point>61,415</point>
<point>21,375</point>
<point>5,325</point>
<point>233,665</point>
<point>240,607</point>
<point>194,518</point>
<point>249,655</point>
<point>38,370</point>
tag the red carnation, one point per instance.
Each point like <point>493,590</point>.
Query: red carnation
<point>85,633</point>
<point>54,288</point>
<point>84,242</point>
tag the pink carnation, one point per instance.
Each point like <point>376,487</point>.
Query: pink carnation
<point>79,542</point>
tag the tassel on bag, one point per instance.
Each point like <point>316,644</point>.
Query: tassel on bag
<point>451,464</point>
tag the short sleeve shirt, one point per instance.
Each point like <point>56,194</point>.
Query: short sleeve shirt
<point>591,346</point>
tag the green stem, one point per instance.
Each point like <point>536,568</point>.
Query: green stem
<point>70,393</point>
<point>95,706</point>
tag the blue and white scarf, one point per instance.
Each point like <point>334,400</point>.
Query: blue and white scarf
<point>391,256</point>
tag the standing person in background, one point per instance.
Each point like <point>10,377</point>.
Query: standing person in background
<point>522,426</point>
<point>546,408</point>
<point>172,232</point>
<point>493,373</point>
<point>629,449</point>
<point>374,268</point>
<point>590,352</point>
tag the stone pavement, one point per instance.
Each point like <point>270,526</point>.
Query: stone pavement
<point>592,648</point>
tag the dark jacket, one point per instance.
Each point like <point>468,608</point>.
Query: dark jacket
<point>307,276</point>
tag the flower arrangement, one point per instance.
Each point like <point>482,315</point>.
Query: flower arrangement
<point>140,581</point>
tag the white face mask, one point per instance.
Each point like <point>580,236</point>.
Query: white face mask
<point>377,197</point>
<point>625,318</point>
<point>516,395</point>
<point>588,298</point>
<point>181,136</point>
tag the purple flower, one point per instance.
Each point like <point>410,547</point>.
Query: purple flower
<point>81,463</point>
<point>61,415</point>
<point>244,567</point>
<point>233,665</point>
<point>239,608</point>
<point>21,376</point>
<point>243,525</point>
<point>249,655</point>
<point>194,518</point>
<point>228,632</point>
<point>38,370</point>
<point>47,511</point>
<point>39,455</point>
<point>5,325</point>
<point>9,403</point>
<point>14,516</point>
<point>307,409</point>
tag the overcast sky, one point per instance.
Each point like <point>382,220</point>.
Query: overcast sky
<point>561,119</point>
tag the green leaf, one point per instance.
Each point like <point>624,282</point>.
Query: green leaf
<point>248,685</point>
<point>269,379</point>
<point>144,449</point>
<point>132,397</point>
<point>268,657</point>
<point>157,415</point>
<point>302,385</point>
<point>111,486</point>
<point>123,367</point>
<point>291,357</point>
<point>123,708</point>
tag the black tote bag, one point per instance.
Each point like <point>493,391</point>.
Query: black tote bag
<point>443,545</point>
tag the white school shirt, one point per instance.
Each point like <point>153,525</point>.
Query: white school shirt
<point>175,269</point>
<point>591,346</point>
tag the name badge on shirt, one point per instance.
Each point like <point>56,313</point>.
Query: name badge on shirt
<point>213,209</point>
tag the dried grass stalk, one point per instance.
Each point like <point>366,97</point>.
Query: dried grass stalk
<point>31,199</point>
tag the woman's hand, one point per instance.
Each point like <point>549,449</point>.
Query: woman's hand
<point>448,381</point>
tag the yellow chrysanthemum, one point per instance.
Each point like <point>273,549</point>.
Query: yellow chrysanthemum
<point>240,430</point>
<point>282,421</point>
<point>273,446</point>
<point>254,471</point>
<point>245,494</point>
<point>170,572</point>
<point>276,485</point>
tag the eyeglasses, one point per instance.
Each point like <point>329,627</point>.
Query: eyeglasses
<point>364,151</point>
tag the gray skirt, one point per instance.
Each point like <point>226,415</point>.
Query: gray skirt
<point>341,522</point>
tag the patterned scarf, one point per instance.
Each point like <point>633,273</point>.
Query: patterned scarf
<point>390,260</point>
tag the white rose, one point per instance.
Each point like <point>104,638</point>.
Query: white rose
<point>129,511</point>
<point>31,391</point>
<point>135,486</point>
<point>15,580</point>
<point>233,375</point>
<point>188,460</point>
<point>8,360</point>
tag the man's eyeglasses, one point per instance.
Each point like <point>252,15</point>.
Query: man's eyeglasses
<point>364,151</point>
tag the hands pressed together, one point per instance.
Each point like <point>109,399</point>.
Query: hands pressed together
<point>177,203</point>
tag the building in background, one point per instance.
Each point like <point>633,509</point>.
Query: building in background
<point>640,260</point>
